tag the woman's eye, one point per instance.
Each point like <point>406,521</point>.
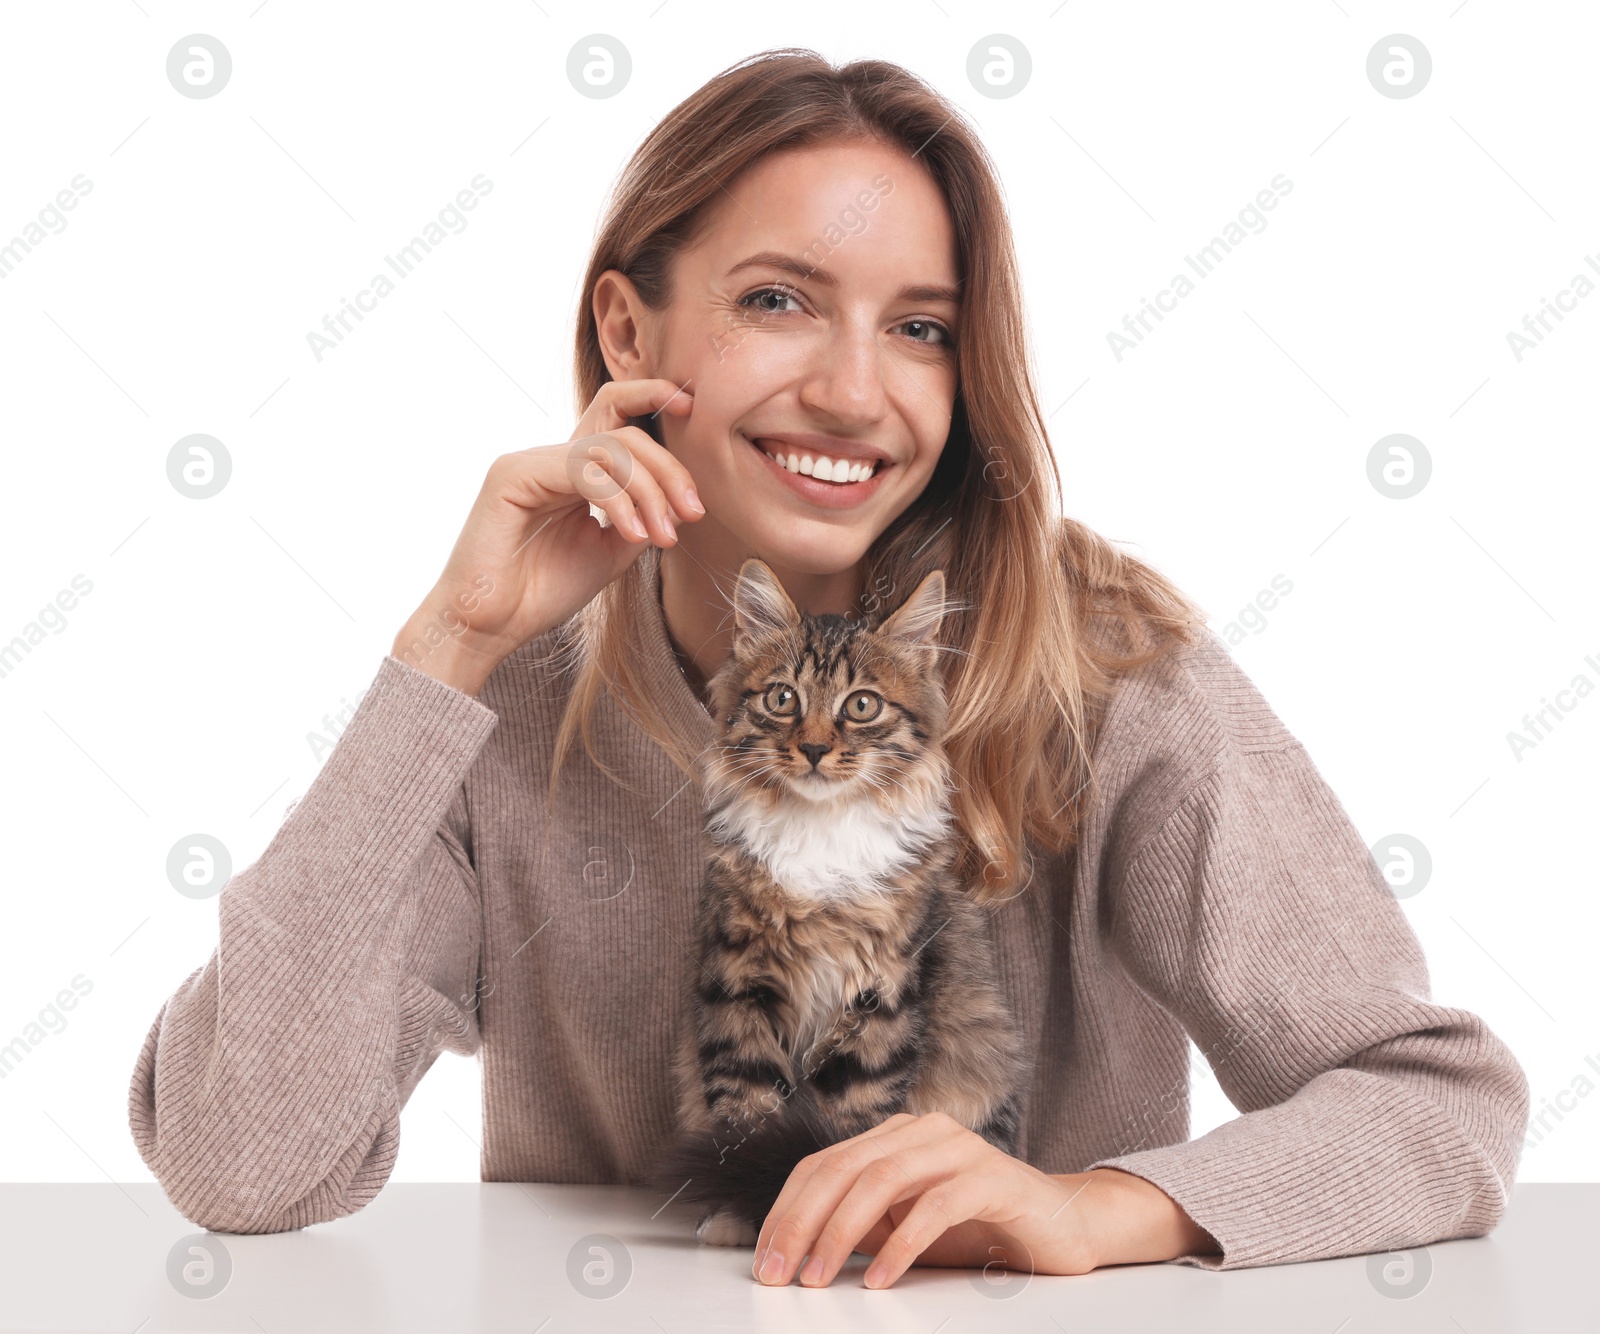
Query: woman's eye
<point>928,326</point>
<point>863,706</point>
<point>781,293</point>
<point>930,332</point>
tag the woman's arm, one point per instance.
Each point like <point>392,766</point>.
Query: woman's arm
<point>1138,1222</point>
<point>1372,1117</point>
<point>1251,910</point>
<point>267,1095</point>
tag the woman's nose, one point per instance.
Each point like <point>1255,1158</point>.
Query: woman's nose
<point>846,381</point>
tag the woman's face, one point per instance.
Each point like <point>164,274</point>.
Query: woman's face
<point>815,317</point>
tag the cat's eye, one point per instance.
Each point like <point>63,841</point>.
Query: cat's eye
<point>781,699</point>
<point>863,706</point>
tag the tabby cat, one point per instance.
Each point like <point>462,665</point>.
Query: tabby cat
<point>841,974</point>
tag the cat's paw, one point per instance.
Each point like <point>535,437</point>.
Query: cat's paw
<point>722,1227</point>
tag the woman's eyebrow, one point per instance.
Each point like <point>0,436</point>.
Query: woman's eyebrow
<point>774,260</point>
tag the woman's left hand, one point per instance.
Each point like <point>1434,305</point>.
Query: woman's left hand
<point>926,1190</point>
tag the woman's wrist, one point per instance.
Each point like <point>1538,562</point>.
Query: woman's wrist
<point>441,645</point>
<point>1134,1221</point>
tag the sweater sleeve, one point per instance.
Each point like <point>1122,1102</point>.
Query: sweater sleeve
<point>267,1094</point>
<point>1371,1117</point>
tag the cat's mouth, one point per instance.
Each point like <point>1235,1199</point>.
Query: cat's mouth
<point>812,784</point>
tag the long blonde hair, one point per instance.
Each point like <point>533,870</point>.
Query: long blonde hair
<point>1047,613</point>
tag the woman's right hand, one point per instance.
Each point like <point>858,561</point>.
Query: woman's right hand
<point>530,554</point>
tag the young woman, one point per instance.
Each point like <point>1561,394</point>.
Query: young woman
<point>805,262</point>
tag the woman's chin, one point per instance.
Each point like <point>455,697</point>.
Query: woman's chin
<point>804,546</point>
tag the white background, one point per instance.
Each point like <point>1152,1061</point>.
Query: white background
<point>1229,448</point>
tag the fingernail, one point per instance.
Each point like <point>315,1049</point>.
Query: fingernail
<point>694,500</point>
<point>812,1273</point>
<point>771,1267</point>
<point>672,528</point>
<point>876,1273</point>
<point>638,527</point>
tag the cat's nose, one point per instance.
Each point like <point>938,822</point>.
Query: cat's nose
<point>814,751</point>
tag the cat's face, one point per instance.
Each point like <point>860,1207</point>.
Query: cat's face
<point>822,708</point>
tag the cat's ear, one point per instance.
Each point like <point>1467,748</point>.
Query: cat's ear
<point>919,615</point>
<point>759,602</point>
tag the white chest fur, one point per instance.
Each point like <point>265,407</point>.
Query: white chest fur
<point>830,849</point>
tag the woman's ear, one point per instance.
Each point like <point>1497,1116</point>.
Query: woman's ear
<point>619,318</point>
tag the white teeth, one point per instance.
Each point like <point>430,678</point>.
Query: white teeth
<point>823,468</point>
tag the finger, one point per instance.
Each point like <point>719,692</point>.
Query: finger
<point>618,400</point>
<point>610,475</point>
<point>922,1174</point>
<point>800,1174</point>
<point>628,451</point>
<point>591,469</point>
<point>959,1198</point>
<point>874,1237</point>
<point>798,1227</point>
<point>802,1171</point>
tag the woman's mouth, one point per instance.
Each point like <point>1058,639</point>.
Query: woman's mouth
<point>831,482</point>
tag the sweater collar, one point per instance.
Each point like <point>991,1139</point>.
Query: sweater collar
<point>673,693</point>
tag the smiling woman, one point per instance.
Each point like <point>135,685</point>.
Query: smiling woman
<point>1158,858</point>
<point>901,345</point>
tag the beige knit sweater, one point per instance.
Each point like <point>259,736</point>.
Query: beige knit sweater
<point>410,904</point>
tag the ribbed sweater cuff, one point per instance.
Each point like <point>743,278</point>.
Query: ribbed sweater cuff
<point>1282,1184</point>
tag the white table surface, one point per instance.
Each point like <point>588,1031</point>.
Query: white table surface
<point>453,1257</point>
